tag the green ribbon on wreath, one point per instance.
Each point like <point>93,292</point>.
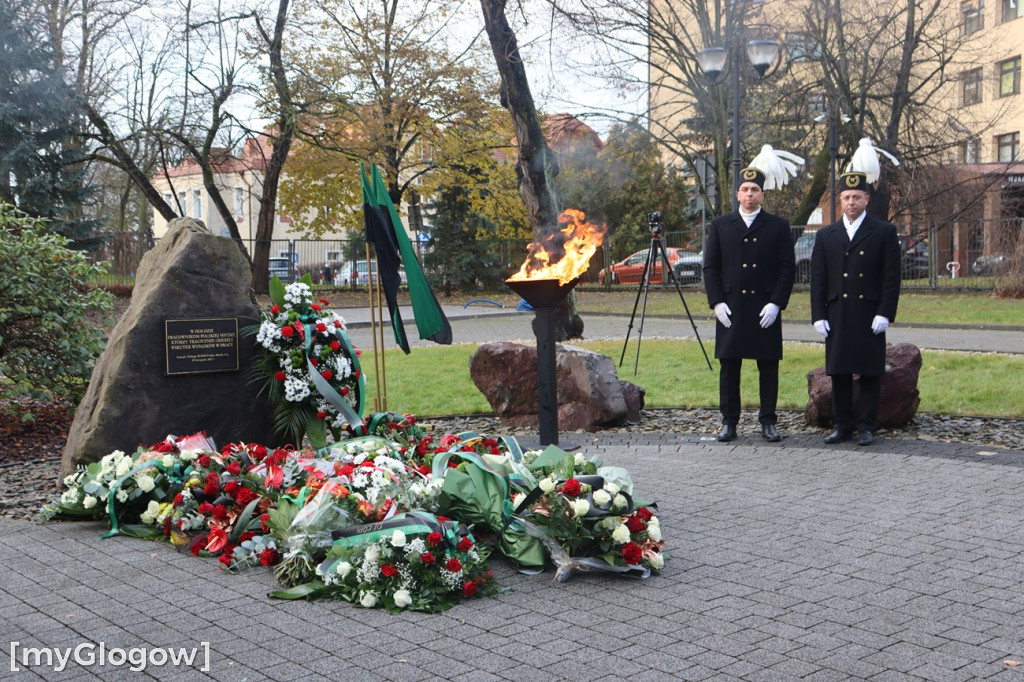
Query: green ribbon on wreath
<point>176,478</point>
<point>352,416</point>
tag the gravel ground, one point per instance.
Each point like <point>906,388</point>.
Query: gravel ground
<point>27,484</point>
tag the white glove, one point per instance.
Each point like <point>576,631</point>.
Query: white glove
<point>879,324</point>
<point>821,326</point>
<point>722,312</point>
<point>769,313</point>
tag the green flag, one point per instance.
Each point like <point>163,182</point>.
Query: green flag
<point>379,232</point>
<point>430,319</point>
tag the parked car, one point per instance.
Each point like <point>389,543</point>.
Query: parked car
<point>284,269</point>
<point>990,265</point>
<point>356,274</point>
<point>802,250</point>
<point>631,269</point>
<point>689,268</point>
<point>914,266</point>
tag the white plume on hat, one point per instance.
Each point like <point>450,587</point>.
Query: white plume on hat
<point>865,159</point>
<point>776,165</point>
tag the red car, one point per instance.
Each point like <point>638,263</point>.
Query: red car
<point>630,270</point>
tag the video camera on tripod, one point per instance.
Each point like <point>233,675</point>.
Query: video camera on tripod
<point>656,223</point>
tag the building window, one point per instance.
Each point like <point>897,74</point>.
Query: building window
<point>816,104</point>
<point>1007,147</point>
<point>972,86</point>
<point>1009,77</point>
<point>802,47</point>
<point>969,151</point>
<point>974,16</point>
<point>239,202</point>
<point>182,204</point>
<point>1011,9</point>
<point>197,204</point>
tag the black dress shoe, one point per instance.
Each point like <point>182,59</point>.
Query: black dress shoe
<point>866,438</point>
<point>727,433</point>
<point>837,436</point>
<point>770,434</point>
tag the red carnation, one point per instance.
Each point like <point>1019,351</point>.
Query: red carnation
<point>245,496</point>
<point>631,553</point>
<point>634,524</point>
<point>337,324</point>
<point>427,558</point>
<point>325,301</point>
<point>335,346</point>
<point>234,468</point>
<point>469,588</point>
<point>357,372</point>
<point>227,556</point>
<point>321,327</point>
<point>327,374</point>
<point>268,557</point>
<point>199,544</point>
<point>454,565</point>
<point>645,514</point>
<point>572,487</point>
<point>434,539</point>
<point>287,331</point>
<point>387,570</point>
<point>345,390</point>
<point>343,469</point>
<point>314,306</point>
<point>321,415</point>
<point>275,309</point>
<point>314,362</point>
<point>465,544</point>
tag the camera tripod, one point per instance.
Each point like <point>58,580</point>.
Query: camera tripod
<point>656,249</point>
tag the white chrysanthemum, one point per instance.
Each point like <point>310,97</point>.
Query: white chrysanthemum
<point>402,598</point>
<point>657,562</point>
<point>621,534</point>
<point>654,533</point>
<point>295,390</point>
<point>580,507</point>
<point>601,498</point>
<point>398,539</point>
<point>122,495</point>
<point>89,502</point>
<point>145,482</point>
<point>268,334</point>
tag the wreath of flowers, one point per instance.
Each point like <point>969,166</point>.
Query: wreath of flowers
<point>309,368</point>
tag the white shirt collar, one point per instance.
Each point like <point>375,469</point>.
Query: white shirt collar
<point>748,218</point>
<point>851,227</point>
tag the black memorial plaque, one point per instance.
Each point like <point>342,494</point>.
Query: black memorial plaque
<point>201,346</point>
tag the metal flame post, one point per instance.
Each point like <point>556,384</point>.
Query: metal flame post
<point>545,295</point>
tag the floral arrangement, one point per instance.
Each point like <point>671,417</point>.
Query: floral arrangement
<point>371,519</point>
<point>308,367</point>
<point>425,564</point>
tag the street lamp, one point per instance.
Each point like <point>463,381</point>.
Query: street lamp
<point>833,112</point>
<point>715,61</point>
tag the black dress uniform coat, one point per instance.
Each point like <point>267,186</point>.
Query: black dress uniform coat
<point>851,282</point>
<point>747,268</point>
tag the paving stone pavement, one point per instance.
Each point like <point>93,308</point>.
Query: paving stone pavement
<point>899,561</point>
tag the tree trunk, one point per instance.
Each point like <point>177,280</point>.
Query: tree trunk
<point>282,142</point>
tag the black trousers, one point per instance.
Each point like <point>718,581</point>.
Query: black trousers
<point>863,415</point>
<point>729,390</point>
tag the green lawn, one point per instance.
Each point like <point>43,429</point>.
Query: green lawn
<point>915,307</point>
<point>435,381</point>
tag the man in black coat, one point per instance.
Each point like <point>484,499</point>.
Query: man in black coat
<point>855,288</point>
<point>749,267</point>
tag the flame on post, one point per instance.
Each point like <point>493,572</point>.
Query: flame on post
<point>565,254</point>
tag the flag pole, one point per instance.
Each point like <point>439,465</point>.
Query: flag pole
<point>383,371</point>
<point>373,328</point>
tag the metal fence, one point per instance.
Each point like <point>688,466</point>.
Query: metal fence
<point>962,254</point>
